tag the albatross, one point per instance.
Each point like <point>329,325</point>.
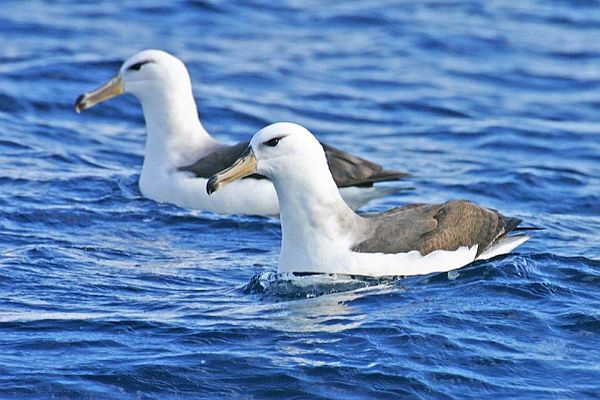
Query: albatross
<point>181,155</point>
<point>321,234</point>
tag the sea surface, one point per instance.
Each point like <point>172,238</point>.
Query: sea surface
<point>107,295</point>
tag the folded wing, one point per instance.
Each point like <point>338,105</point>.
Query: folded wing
<point>431,227</point>
<point>347,169</point>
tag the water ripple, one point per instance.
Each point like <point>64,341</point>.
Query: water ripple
<point>105,294</point>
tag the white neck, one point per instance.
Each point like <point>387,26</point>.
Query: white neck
<point>315,220</point>
<point>175,136</point>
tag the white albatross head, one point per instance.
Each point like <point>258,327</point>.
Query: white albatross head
<point>281,151</point>
<point>316,224</point>
<point>146,75</point>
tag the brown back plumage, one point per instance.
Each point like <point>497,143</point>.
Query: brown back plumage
<point>430,227</point>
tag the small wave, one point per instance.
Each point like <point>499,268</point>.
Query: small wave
<point>288,286</point>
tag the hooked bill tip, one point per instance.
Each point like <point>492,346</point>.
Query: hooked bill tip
<point>79,104</point>
<point>211,185</point>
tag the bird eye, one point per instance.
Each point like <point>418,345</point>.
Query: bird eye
<point>137,66</point>
<point>273,142</point>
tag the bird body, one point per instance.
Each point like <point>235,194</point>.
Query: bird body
<point>321,234</point>
<point>181,155</point>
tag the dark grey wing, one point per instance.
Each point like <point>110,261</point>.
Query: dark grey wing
<point>347,169</point>
<point>350,170</point>
<point>217,161</point>
<point>431,227</point>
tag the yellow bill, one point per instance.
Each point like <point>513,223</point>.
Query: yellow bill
<point>244,166</point>
<point>110,89</point>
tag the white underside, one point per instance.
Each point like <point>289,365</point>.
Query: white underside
<point>245,196</point>
<point>345,261</point>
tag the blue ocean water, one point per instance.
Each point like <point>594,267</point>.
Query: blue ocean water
<point>105,294</point>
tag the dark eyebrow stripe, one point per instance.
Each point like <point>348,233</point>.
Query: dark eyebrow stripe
<point>137,66</point>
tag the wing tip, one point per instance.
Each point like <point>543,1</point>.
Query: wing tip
<point>388,175</point>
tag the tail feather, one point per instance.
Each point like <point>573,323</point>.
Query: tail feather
<point>510,224</point>
<point>503,245</point>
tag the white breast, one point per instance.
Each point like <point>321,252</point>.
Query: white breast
<point>246,196</point>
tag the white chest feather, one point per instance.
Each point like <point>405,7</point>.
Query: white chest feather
<point>247,196</point>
